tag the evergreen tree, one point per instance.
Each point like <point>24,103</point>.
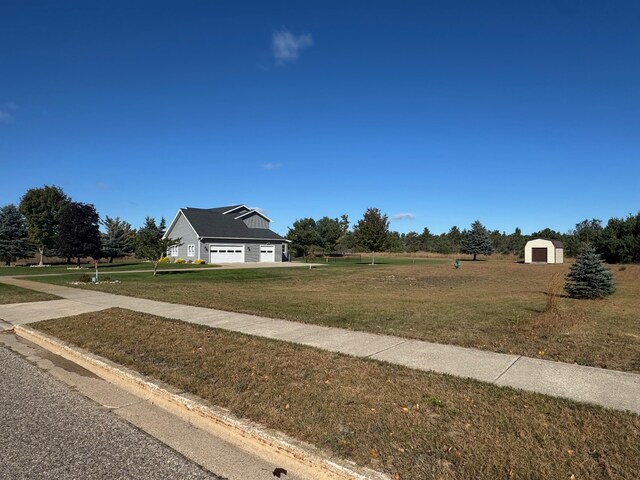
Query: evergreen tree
<point>476,241</point>
<point>79,231</point>
<point>589,277</point>
<point>151,244</point>
<point>41,207</point>
<point>330,232</point>
<point>118,240</point>
<point>371,231</point>
<point>14,235</point>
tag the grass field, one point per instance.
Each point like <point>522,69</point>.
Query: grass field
<point>12,294</point>
<point>105,268</point>
<point>494,305</point>
<point>419,425</point>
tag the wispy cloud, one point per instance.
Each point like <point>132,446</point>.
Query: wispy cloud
<point>103,186</point>
<point>403,216</point>
<point>286,46</point>
<point>272,166</point>
<point>6,117</point>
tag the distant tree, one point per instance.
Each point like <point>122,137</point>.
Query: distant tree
<point>118,240</point>
<point>586,233</point>
<point>476,241</point>
<point>41,207</point>
<point>14,235</point>
<point>79,231</point>
<point>344,224</point>
<point>411,242</point>
<point>371,231</point>
<point>620,240</point>
<point>150,243</point>
<point>547,233</point>
<point>304,234</point>
<point>517,242</point>
<point>330,232</point>
<point>394,243</point>
<point>588,277</point>
<point>454,235</point>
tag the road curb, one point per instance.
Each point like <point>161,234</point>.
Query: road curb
<point>265,443</point>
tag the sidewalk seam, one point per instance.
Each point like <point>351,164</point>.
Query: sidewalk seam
<point>385,349</point>
<point>495,380</point>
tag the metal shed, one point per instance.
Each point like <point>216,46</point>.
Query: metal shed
<point>542,250</point>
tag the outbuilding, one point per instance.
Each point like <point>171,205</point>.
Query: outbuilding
<point>542,250</point>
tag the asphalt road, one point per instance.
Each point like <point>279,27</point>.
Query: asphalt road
<point>49,431</point>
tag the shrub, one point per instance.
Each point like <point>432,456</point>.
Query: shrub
<point>165,260</point>
<point>180,260</point>
<point>84,278</point>
<point>589,277</point>
<point>199,262</point>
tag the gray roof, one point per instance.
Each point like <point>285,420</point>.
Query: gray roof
<point>557,243</point>
<point>211,223</point>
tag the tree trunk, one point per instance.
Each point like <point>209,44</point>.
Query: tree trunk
<point>155,268</point>
<point>110,259</point>
<point>373,258</point>
<point>474,257</point>
<point>41,250</point>
<point>78,262</point>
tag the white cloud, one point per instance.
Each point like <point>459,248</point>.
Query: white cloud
<point>272,166</point>
<point>404,216</point>
<point>6,117</point>
<point>13,106</point>
<point>286,46</point>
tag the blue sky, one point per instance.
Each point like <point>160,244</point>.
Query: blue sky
<point>438,113</point>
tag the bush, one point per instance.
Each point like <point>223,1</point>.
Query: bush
<point>589,277</point>
<point>180,260</point>
<point>199,262</point>
<point>165,260</point>
<point>84,278</point>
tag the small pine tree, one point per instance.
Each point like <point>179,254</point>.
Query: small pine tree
<point>589,277</point>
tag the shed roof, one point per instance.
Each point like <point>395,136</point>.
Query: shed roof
<point>556,243</point>
<point>212,223</point>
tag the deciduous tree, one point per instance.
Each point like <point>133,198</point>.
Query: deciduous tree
<point>79,231</point>
<point>41,207</point>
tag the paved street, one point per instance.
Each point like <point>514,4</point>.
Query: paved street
<point>49,431</point>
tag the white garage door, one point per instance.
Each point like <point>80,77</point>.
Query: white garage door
<point>226,253</point>
<point>267,253</point>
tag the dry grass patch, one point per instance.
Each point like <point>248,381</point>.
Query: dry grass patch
<point>417,424</point>
<point>13,294</point>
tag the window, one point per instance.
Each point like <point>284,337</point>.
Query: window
<point>173,251</point>
<point>191,250</point>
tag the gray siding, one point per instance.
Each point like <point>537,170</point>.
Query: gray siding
<point>182,229</point>
<point>255,221</point>
<point>252,252</point>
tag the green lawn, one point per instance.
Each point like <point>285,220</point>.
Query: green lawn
<point>494,305</point>
<point>12,294</point>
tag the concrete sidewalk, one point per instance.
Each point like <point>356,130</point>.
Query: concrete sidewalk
<point>609,388</point>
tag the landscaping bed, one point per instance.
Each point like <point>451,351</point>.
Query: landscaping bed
<point>416,424</point>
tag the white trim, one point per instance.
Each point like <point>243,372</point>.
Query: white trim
<point>175,219</point>
<point>236,208</point>
<point>254,211</point>
<point>174,251</point>
<point>191,250</point>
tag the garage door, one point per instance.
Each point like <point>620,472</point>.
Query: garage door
<point>267,253</point>
<point>539,255</point>
<point>226,253</point>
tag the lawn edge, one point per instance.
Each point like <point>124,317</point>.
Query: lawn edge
<point>250,436</point>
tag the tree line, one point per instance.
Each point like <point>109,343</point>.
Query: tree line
<point>616,242</point>
<point>48,222</point>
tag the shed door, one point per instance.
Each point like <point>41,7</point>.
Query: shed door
<point>226,253</point>
<point>267,253</point>
<point>539,255</point>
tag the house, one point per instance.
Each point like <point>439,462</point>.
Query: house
<point>235,233</point>
<point>541,250</point>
